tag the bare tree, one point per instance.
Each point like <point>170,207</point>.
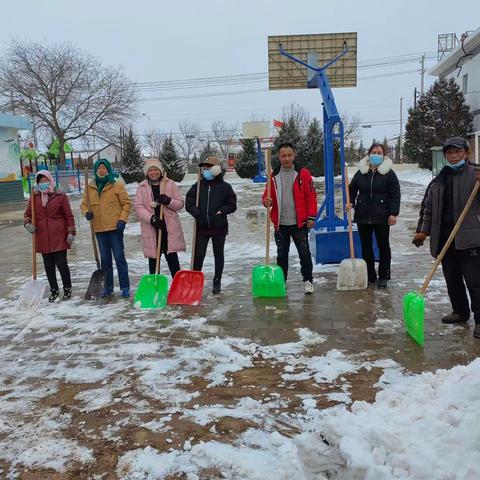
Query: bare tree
<point>297,115</point>
<point>223,135</point>
<point>351,127</point>
<point>154,140</point>
<point>66,92</point>
<point>189,139</point>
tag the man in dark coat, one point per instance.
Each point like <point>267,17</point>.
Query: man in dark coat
<point>442,204</point>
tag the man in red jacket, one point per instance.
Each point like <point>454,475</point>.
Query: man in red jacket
<point>294,208</point>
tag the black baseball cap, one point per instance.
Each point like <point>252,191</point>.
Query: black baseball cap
<point>456,142</point>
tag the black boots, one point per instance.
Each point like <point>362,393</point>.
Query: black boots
<point>53,296</point>
<point>67,294</point>
<point>454,318</point>
<point>382,283</point>
<point>217,287</point>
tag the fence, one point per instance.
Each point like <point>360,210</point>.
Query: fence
<point>70,181</point>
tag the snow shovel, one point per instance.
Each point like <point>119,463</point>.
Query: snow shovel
<point>97,279</point>
<point>352,272</point>
<point>33,290</point>
<point>268,280</point>
<point>414,302</point>
<point>153,289</point>
<point>187,285</point>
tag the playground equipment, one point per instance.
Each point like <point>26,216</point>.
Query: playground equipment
<point>260,177</point>
<point>293,63</point>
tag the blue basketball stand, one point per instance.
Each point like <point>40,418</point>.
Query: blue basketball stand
<point>329,237</point>
<point>261,176</point>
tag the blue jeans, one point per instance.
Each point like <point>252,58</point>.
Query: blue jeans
<point>109,242</point>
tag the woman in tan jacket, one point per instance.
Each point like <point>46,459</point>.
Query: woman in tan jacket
<point>110,205</point>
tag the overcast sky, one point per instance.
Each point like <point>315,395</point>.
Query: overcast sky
<point>166,40</point>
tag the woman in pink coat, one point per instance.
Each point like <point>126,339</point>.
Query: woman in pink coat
<point>147,205</point>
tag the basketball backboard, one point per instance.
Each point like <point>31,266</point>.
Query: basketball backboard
<point>256,129</point>
<point>316,50</point>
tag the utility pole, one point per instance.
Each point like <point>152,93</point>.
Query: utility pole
<point>401,130</point>
<point>415,98</point>
<point>422,73</point>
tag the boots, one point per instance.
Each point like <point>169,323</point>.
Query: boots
<point>67,294</point>
<point>454,318</point>
<point>53,295</point>
<point>217,287</point>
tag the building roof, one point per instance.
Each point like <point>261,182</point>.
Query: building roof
<point>451,61</point>
<point>13,121</point>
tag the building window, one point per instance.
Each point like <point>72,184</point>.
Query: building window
<point>465,83</point>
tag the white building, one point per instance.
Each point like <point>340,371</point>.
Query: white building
<point>463,65</point>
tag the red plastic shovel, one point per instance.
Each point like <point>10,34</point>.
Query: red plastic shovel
<point>187,285</point>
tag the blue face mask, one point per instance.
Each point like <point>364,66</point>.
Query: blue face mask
<point>208,175</point>
<point>457,165</point>
<point>43,186</point>
<point>376,159</point>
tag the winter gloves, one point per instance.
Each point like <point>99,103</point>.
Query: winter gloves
<point>164,199</point>
<point>156,222</point>
<point>30,228</point>
<point>89,215</point>
<point>70,238</point>
<point>121,226</point>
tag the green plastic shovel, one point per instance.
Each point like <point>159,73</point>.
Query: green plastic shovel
<point>414,302</point>
<point>268,280</point>
<point>152,291</point>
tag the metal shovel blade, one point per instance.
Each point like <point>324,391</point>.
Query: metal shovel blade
<point>352,274</point>
<point>96,285</point>
<point>152,292</point>
<point>414,316</point>
<point>32,294</point>
<point>186,288</point>
<point>268,281</point>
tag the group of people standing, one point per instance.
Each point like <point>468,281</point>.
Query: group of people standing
<point>375,197</point>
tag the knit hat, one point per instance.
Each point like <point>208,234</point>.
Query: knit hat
<point>153,162</point>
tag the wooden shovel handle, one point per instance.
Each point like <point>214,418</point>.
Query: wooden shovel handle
<point>92,231</point>
<point>349,215</point>
<point>159,238</point>
<point>449,241</point>
<point>34,239</point>
<point>269,195</point>
<point>197,202</point>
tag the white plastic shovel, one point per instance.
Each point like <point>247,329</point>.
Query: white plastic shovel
<point>33,290</point>
<point>352,272</point>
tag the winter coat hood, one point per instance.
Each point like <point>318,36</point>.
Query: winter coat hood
<point>382,169</point>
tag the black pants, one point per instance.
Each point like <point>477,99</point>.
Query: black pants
<point>59,260</point>
<point>300,238</point>
<point>382,233</point>
<point>218,244</point>
<point>460,267</point>
<point>172,262</point>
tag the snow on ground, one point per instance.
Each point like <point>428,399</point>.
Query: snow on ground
<point>420,176</point>
<point>408,433</point>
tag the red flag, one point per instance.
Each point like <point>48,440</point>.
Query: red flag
<point>277,123</point>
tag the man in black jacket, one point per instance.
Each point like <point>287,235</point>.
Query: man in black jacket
<point>442,204</point>
<point>217,200</point>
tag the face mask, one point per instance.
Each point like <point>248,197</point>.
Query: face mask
<point>208,175</point>
<point>101,176</point>
<point>457,165</point>
<point>376,159</point>
<point>43,187</point>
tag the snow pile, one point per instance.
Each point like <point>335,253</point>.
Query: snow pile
<point>421,427</point>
